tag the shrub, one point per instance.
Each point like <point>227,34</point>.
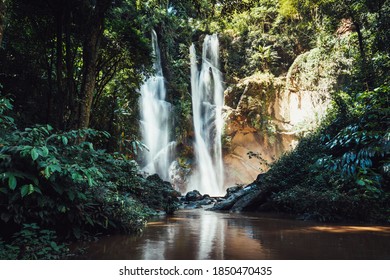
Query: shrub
<point>32,243</point>
<point>58,180</point>
<point>342,170</point>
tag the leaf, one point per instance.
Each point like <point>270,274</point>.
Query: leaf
<point>55,167</point>
<point>26,190</point>
<point>90,180</point>
<point>76,176</point>
<point>64,140</point>
<point>47,172</point>
<point>353,169</point>
<point>89,220</point>
<point>360,182</point>
<point>54,246</point>
<point>61,208</point>
<point>31,189</point>
<point>37,190</point>
<point>12,182</point>
<point>34,154</point>
<point>45,151</point>
<point>106,134</point>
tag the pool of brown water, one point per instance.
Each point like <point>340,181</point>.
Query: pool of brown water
<point>202,235</point>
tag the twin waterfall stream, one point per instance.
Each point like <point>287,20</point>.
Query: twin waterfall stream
<point>207,101</point>
<point>156,120</point>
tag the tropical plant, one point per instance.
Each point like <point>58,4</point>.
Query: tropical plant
<point>32,243</point>
<point>56,180</point>
<point>362,148</point>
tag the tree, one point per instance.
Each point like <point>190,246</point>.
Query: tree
<point>368,19</point>
<point>62,55</point>
<point>2,18</point>
<point>91,45</point>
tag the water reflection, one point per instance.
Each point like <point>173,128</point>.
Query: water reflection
<point>199,234</point>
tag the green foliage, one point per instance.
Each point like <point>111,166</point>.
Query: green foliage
<point>361,149</point>
<point>32,243</point>
<point>47,78</point>
<point>62,179</point>
<point>126,58</point>
<point>264,58</point>
<point>288,8</point>
<point>5,106</point>
<point>261,39</point>
<point>7,251</point>
<point>59,180</point>
<point>368,22</point>
<point>342,170</point>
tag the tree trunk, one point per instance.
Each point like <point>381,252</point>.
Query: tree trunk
<point>90,51</point>
<point>2,19</point>
<point>94,32</point>
<point>366,67</point>
<point>59,66</point>
<point>70,102</point>
<point>50,65</point>
<point>112,142</point>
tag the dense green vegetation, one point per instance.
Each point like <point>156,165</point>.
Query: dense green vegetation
<point>69,133</point>
<point>70,73</point>
<point>53,181</point>
<point>349,158</point>
<point>339,172</point>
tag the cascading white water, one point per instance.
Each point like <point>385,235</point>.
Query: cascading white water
<point>207,102</point>
<point>156,121</point>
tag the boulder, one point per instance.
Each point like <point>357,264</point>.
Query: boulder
<point>158,194</point>
<point>245,201</point>
<point>191,205</point>
<point>233,198</point>
<point>193,196</point>
<point>231,190</point>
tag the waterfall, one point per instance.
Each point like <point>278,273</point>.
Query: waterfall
<point>207,102</point>
<point>156,120</point>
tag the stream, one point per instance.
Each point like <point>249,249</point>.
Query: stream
<point>202,235</point>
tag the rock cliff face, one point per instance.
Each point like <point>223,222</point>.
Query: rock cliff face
<point>265,115</point>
